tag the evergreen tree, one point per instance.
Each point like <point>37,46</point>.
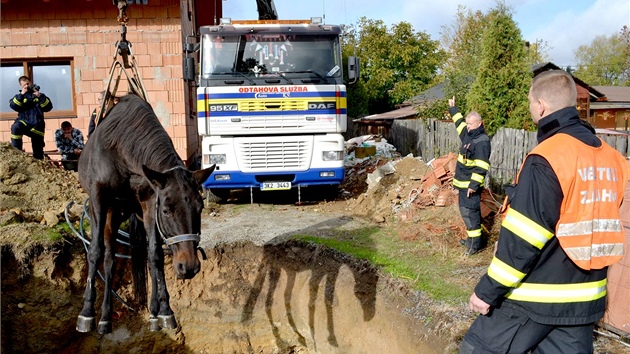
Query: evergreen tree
<point>499,91</point>
<point>463,39</point>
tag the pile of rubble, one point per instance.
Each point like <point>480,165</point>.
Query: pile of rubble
<point>386,185</point>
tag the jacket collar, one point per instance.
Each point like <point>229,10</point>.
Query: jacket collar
<point>551,124</point>
<point>476,132</point>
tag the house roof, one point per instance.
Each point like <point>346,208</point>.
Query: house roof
<point>540,67</point>
<point>615,93</point>
<point>434,93</point>
<point>404,112</point>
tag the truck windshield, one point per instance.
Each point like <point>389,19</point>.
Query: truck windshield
<point>268,54</point>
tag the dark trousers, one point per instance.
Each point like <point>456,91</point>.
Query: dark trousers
<point>70,162</point>
<point>506,330</point>
<point>470,209</point>
<point>18,129</point>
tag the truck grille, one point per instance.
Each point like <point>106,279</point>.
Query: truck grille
<point>275,155</point>
<point>272,122</point>
<point>271,105</point>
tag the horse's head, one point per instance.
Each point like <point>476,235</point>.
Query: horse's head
<point>178,206</point>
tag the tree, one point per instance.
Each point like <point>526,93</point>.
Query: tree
<point>537,52</point>
<point>463,41</point>
<point>606,61</point>
<point>396,63</point>
<point>499,92</point>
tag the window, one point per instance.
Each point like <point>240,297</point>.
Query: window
<point>271,53</point>
<point>53,76</point>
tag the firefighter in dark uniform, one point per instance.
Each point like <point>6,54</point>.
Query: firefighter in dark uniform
<point>473,163</point>
<point>30,105</point>
<point>546,285</point>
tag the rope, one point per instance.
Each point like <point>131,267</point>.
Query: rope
<point>86,243</point>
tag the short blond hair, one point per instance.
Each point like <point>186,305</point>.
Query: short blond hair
<point>474,114</point>
<point>556,88</point>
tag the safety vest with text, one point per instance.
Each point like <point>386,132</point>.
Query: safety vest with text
<point>592,180</point>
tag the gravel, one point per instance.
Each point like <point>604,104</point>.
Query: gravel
<point>270,224</point>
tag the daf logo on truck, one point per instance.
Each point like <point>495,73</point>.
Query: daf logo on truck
<point>322,105</point>
<point>223,108</point>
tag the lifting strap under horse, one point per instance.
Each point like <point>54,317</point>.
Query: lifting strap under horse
<point>124,63</point>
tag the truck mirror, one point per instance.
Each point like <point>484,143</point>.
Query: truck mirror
<point>189,69</point>
<point>353,69</point>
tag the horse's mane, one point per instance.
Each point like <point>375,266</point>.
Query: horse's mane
<point>133,130</point>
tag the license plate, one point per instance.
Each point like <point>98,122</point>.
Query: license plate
<point>275,186</point>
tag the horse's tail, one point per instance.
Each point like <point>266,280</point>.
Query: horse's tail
<point>139,255</point>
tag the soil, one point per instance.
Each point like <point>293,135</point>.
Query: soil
<point>259,291</point>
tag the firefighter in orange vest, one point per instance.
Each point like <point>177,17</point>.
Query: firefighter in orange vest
<point>546,285</point>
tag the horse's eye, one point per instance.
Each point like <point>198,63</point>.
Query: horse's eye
<point>165,211</point>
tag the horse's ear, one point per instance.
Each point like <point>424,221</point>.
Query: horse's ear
<point>202,175</point>
<point>155,178</point>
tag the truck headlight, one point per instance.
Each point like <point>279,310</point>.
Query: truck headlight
<point>212,159</point>
<point>332,155</point>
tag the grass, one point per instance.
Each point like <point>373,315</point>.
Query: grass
<point>426,269</point>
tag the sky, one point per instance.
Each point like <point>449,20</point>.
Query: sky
<point>563,24</point>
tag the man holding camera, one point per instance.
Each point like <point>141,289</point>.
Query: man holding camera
<point>30,105</point>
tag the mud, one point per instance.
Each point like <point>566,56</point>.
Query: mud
<point>292,297</point>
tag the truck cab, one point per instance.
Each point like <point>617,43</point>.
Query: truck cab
<point>271,104</point>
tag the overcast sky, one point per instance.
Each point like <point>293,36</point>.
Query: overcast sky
<point>563,24</point>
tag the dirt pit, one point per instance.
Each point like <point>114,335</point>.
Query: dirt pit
<point>250,297</point>
<point>270,295</point>
<point>292,297</point>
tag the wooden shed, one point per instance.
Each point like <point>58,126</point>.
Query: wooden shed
<point>613,110</point>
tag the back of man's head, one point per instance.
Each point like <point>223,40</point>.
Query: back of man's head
<point>66,125</point>
<point>556,88</point>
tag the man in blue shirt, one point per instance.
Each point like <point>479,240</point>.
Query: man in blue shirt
<point>69,142</point>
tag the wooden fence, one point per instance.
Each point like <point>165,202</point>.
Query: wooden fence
<point>433,138</point>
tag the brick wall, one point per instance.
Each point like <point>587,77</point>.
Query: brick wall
<point>86,31</point>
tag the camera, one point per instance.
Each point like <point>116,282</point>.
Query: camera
<point>33,88</point>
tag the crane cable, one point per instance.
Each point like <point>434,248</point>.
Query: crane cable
<point>124,63</point>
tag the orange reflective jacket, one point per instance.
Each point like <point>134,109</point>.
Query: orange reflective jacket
<point>592,180</point>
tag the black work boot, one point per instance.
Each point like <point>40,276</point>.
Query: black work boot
<point>475,246</point>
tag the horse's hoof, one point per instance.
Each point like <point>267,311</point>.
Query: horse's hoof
<point>85,324</point>
<point>153,324</point>
<point>104,327</point>
<point>167,322</point>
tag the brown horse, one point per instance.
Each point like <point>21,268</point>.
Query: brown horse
<point>129,167</point>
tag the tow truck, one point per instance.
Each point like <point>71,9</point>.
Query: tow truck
<point>271,102</point>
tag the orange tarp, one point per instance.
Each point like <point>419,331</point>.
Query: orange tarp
<point>618,307</point>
